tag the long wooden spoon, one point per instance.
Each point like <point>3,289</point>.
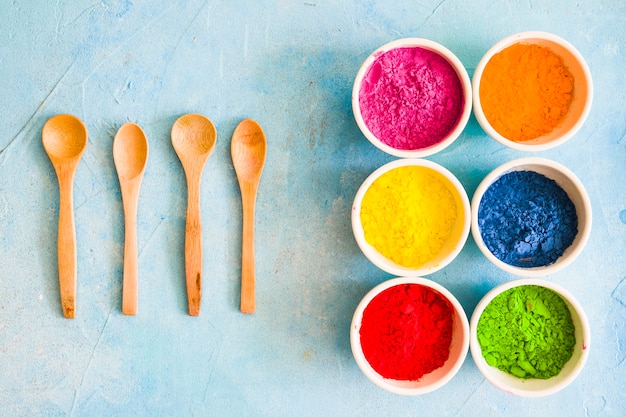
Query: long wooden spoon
<point>193,138</point>
<point>64,138</point>
<point>130,153</point>
<point>248,150</point>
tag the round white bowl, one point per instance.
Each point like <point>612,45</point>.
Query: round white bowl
<point>581,100</point>
<point>465,84</point>
<point>533,387</point>
<point>450,250</point>
<point>433,380</point>
<point>569,182</point>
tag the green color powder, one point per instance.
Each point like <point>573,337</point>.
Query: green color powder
<point>527,331</point>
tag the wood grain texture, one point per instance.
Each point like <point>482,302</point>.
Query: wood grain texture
<point>248,151</point>
<point>64,138</point>
<point>130,153</point>
<point>193,139</point>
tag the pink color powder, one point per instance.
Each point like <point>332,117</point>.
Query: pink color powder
<point>411,98</point>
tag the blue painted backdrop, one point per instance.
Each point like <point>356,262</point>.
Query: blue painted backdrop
<point>290,65</point>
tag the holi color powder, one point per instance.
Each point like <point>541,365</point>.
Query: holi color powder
<point>527,331</point>
<point>411,98</point>
<point>527,220</point>
<point>406,331</point>
<point>525,91</point>
<point>408,214</point>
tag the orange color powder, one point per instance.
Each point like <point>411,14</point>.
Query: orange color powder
<point>525,91</point>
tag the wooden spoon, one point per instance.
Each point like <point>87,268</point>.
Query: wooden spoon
<point>248,150</point>
<point>130,153</point>
<point>193,138</point>
<point>64,138</point>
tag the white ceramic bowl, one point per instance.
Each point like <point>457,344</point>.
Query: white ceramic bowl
<point>582,95</point>
<point>431,381</point>
<point>465,84</point>
<point>451,248</point>
<point>568,181</point>
<point>533,387</point>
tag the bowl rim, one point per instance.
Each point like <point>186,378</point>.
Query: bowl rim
<point>364,365</point>
<point>574,306</point>
<point>464,79</point>
<point>386,264</point>
<point>506,42</point>
<point>518,165</point>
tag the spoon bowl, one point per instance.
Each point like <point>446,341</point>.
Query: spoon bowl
<point>193,139</point>
<point>130,151</point>
<point>130,154</point>
<point>64,138</point>
<point>248,151</point>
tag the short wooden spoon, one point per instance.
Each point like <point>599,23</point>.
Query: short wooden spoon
<point>248,150</point>
<point>130,153</point>
<point>193,138</point>
<point>64,138</point>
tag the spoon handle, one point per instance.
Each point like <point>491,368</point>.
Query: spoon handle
<point>67,247</point>
<point>248,292</point>
<point>193,246</point>
<point>129,285</point>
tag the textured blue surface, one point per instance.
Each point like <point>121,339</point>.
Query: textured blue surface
<point>290,65</point>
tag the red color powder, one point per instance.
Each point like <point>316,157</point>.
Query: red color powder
<point>406,331</point>
<point>411,98</point>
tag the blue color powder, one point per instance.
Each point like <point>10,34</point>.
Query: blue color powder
<point>526,219</point>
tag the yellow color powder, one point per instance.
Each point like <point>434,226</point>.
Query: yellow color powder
<point>525,91</point>
<point>408,214</point>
